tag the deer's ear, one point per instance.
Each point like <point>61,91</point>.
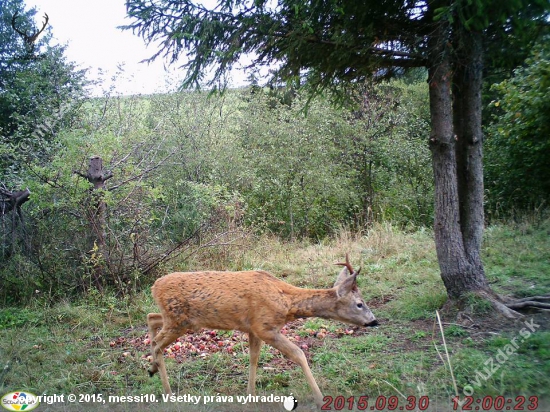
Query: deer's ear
<point>344,274</point>
<point>347,285</point>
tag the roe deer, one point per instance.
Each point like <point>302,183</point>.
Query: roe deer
<point>254,302</point>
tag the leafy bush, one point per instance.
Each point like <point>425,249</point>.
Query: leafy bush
<point>187,171</point>
<point>518,141</point>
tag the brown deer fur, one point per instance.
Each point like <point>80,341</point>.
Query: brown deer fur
<point>254,302</point>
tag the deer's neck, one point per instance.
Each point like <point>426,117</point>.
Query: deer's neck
<point>306,303</point>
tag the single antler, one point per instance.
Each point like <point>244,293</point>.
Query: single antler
<point>348,265</point>
<point>29,39</point>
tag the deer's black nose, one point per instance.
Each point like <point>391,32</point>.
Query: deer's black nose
<point>371,324</point>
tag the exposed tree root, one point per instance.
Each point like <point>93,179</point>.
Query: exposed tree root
<point>498,304</point>
<point>509,307</point>
<point>505,306</point>
<point>537,302</point>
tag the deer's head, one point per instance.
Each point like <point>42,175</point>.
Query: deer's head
<point>29,38</point>
<point>350,306</point>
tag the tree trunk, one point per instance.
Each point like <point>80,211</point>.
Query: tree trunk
<point>467,84</point>
<point>455,62</point>
<point>459,274</point>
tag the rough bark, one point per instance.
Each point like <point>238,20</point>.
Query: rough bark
<point>467,85</point>
<point>457,271</point>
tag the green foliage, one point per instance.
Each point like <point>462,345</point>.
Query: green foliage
<point>388,154</point>
<point>476,15</point>
<point>152,206</point>
<point>296,184</point>
<point>63,214</point>
<point>333,40</point>
<point>328,44</point>
<point>516,373</point>
<point>307,175</point>
<point>259,159</point>
<point>418,336</point>
<point>39,92</point>
<point>15,317</point>
<point>200,182</point>
<point>518,142</point>
<point>520,272</point>
<point>418,305</point>
<point>187,163</point>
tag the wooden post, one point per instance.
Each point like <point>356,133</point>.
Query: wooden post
<point>97,216</point>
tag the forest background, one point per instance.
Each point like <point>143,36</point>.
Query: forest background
<point>186,165</point>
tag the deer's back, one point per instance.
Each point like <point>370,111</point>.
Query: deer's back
<point>222,300</point>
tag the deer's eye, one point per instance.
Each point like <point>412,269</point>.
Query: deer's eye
<point>359,305</point>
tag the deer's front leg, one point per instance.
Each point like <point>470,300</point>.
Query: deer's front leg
<point>255,344</point>
<point>154,323</point>
<point>295,354</point>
